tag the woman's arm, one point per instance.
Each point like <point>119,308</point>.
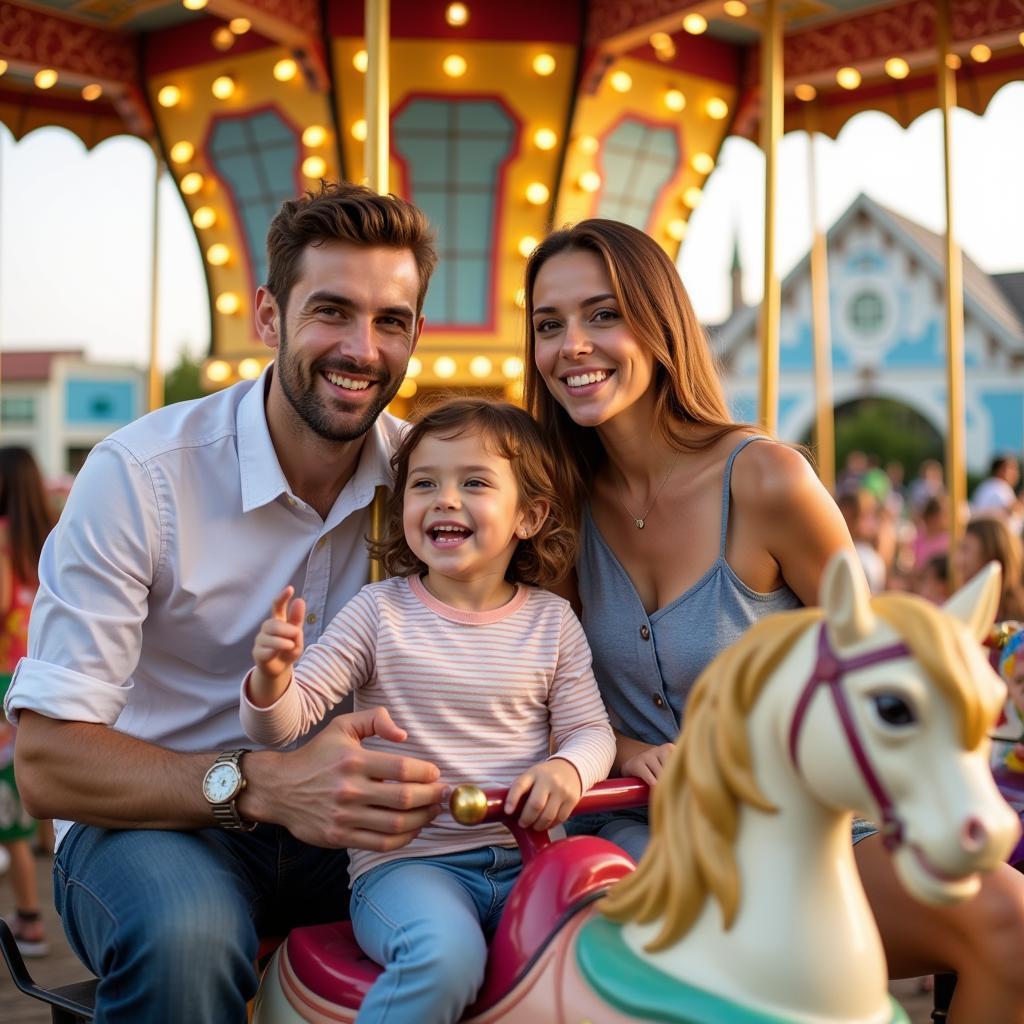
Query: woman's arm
<point>784,507</point>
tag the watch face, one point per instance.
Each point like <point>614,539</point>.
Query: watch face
<point>221,783</point>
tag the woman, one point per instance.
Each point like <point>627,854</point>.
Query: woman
<point>988,539</point>
<point>690,530</point>
<point>24,523</point>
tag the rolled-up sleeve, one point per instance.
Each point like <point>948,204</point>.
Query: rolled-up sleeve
<point>95,575</point>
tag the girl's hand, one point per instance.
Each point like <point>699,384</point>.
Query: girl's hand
<point>278,644</point>
<point>555,789</point>
<point>647,764</point>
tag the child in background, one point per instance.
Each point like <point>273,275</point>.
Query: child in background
<point>932,580</point>
<point>480,670</point>
<point>25,521</point>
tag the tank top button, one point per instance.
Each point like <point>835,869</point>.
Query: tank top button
<point>659,701</point>
<point>645,633</point>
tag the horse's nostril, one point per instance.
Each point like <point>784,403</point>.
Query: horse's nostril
<point>974,834</point>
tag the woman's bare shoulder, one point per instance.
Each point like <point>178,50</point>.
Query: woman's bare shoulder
<point>772,476</point>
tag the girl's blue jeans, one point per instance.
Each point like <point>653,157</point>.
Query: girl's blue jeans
<point>169,921</point>
<point>427,920</point>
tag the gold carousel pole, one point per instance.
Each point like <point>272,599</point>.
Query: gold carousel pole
<point>156,378</point>
<point>771,132</point>
<point>956,480</point>
<point>378,128</point>
<point>824,430</point>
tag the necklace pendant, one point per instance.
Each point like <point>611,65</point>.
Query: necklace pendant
<point>639,523</point>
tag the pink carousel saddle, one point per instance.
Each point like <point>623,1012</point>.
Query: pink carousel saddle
<point>332,971</point>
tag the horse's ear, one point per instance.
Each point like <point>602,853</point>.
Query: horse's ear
<point>846,600</point>
<point>977,601</point>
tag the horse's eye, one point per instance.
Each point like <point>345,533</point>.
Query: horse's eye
<point>894,710</point>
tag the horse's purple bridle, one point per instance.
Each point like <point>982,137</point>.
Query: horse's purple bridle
<point>830,669</point>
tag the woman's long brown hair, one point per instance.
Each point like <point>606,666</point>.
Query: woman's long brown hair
<point>23,503</point>
<point>658,312</point>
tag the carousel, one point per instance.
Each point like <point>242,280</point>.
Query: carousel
<point>500,122</point>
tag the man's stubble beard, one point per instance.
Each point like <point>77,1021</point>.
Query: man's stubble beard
<point>310,407</point>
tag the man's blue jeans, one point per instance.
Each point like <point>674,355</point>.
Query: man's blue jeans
<point>169,921</point>
<point>426,920</point>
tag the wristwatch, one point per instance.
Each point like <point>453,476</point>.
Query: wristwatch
<point>222,785</point>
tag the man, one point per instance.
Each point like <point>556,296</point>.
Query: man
<point>178,533</point>
<point>997,493</point>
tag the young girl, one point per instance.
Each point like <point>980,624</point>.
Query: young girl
<point>481,670</point>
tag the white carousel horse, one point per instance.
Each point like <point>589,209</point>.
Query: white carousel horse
<point>747,906</point>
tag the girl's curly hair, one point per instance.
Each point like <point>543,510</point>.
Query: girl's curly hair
<point>510,433</point>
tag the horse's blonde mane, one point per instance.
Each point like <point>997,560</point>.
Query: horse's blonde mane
<point>695,806</point>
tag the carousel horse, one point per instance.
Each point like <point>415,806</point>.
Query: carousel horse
<point>747,906</point>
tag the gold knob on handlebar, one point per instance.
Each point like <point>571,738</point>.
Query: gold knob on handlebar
<point>468,804</point>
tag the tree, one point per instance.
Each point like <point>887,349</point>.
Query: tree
<point>184,380</point>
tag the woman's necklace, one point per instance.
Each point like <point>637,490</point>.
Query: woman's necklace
<point>641,520</point>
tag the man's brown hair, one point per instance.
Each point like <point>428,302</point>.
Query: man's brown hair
<point>345,213</point>
<point>510,433</point>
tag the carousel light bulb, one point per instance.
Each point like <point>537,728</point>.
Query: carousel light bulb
<point>408,388</point>
<point>92,92</point>
<point>702,163</point>
<point>45,79</point>
<point>527,244</point>
<point>445,367</point>
<point>480,366</point>
<point>545,138</point>
<point>716,108</point>
<point>314,167</point>
<point>415,367</point>
<point>358,130</point>
<point>692,197</point>
<point>848,78</point>
<point>285,70</point>
<point>897,67</point>
<point>676,229</point>
<point>1020,39</point>
<point>805,92</point>
<point>661,41</point>
<point>222,38</point>
<point>192,183</point>
<point>218,254</point>
<point>193,5</point>
<point>953,61</point>
<point>223,87</point>
<point>360,60</point>
<point>588,144</point>
<point>218,371</point>
<point>674,100</point>
<point>169,96</point>
<point>537,193</point>
<point>3,66</point>
<point>250,368</point>
<point>204,218</point>
<point>239,26</point>
<point>695,24</point>
<point>456,15</point>
<point>544,64</point>
<point>315,135</point>
<point>621,81</point>
<point>734,8</point>
<point>228,303</point>
<point>182,152</point>
<point>512,367</point>
<point>589,181</point>
<point>981,53</point>
<point>454,65</point>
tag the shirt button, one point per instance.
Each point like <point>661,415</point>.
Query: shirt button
<point>659,701</point>
<point>645,633</point>
<point>292,502</point>
<point>311,618</point>
<point>321,542</point>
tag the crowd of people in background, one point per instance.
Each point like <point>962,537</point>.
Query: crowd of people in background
<point>902,530</point>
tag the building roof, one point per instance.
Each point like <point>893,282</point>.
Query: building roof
<point>32,364</point>
<point>1012,286</point>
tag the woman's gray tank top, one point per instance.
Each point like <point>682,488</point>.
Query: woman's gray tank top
<point>646,664</point>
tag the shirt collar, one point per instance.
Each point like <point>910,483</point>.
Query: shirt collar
<point>263,480</point>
